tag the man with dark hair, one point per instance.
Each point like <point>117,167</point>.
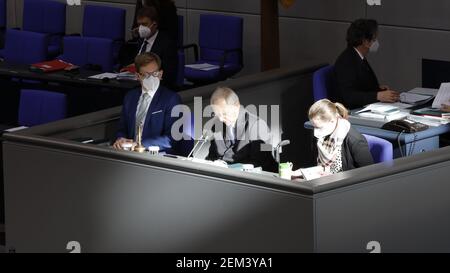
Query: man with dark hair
<point>152,39</point>
<point>356,84</point>
<point>149,107</point>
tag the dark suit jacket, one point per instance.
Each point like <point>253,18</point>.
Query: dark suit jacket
<point>356,84</point>
<point>158,122</point>
<point>251,137</point>
<point>168,18</point>
<point>355,151</point>
<point>167,51</point>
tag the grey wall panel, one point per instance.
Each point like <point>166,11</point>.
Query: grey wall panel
<point>251,42</point>
<point>398,62</point>
<point>347,10</point>
<point>415,207</point>
<point>236,6</point>
<point>413,13</point>
<point>304,41</point>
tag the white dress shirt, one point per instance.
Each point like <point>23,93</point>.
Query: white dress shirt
<point>150,42</point>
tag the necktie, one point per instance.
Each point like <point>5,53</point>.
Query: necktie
<point>144,47</point>
<point>231,135</point>
<point>142,110</point>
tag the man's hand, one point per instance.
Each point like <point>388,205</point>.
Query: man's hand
<point>445,108</point>
<point>118,144</point>
<point>384,87</point>
<point>388,96</point>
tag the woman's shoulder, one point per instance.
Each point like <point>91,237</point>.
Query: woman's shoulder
<point>353,135</point>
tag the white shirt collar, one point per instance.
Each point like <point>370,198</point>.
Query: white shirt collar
<point>359,53</point>
<point>152,39</point>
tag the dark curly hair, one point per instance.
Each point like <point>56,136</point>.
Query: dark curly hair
<point>360,30</point>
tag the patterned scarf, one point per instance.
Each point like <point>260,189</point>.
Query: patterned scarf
<point>329,146</point>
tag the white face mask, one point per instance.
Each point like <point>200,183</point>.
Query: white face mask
<point>374,47</point>
<point>326,130</point>
<point>150,84</point>
<point>144,32</point>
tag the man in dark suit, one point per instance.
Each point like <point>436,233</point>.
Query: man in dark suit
<point>152,39</point>
<point>239,136</point>
<point>149,107</point>
<point>356,84</point>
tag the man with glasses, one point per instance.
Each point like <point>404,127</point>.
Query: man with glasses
<point>149,106</point>
<point>356,84</point>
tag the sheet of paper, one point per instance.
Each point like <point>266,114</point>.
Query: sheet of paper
<point>16,129</point>
<point>203,66</point>
<point>443,96</point>
<point>379,108</point>
<point>312,173</point>
<point>104,75</point>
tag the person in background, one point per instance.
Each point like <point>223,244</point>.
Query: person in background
<point>149,106</point>
<point>239,136</point>
<point>167,13</point>
<point>340,147</point>
<point>152,39</point>
<point>356,84</point>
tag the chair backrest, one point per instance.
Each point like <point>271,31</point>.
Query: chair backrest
<point>38,107</point>
<point>24,47</point>
<point>185,145</point>
<point>83,51</point>
<point>380,149</point>
<point>104,22</point>
<point>2,14</point>
<point>219,33</point>
<point>44,16</point>
<point>322,82</point>
<point>181,56</point>
<point>180,37</point>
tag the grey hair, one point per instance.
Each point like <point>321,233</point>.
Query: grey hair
<point>225,93</point>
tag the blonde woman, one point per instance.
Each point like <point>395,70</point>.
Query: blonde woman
<point>340,147</point>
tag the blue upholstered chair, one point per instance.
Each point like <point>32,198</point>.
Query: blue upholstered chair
<point>24,47</point>
<point>220,42</point>
<point>105,22</point>
<point>322,82</point>
<point>181,55</point>
<point>2,23</point>
<point>92,53</point>
<point>38,107</point>
<point>49,17</point>
<point>381,149</point>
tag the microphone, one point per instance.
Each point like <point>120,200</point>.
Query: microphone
<point>278,148</point>
<point>207,134</point>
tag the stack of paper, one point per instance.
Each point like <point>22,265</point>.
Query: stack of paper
<point>104,76</point>
<point>412,98</point>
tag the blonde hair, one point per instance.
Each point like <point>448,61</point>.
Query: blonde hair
<point>326,110</point>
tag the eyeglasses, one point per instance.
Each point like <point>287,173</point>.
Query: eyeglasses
<point>147,75</point>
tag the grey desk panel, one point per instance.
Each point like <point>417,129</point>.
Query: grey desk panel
<point>407,212</point>
<point>114,206</point>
